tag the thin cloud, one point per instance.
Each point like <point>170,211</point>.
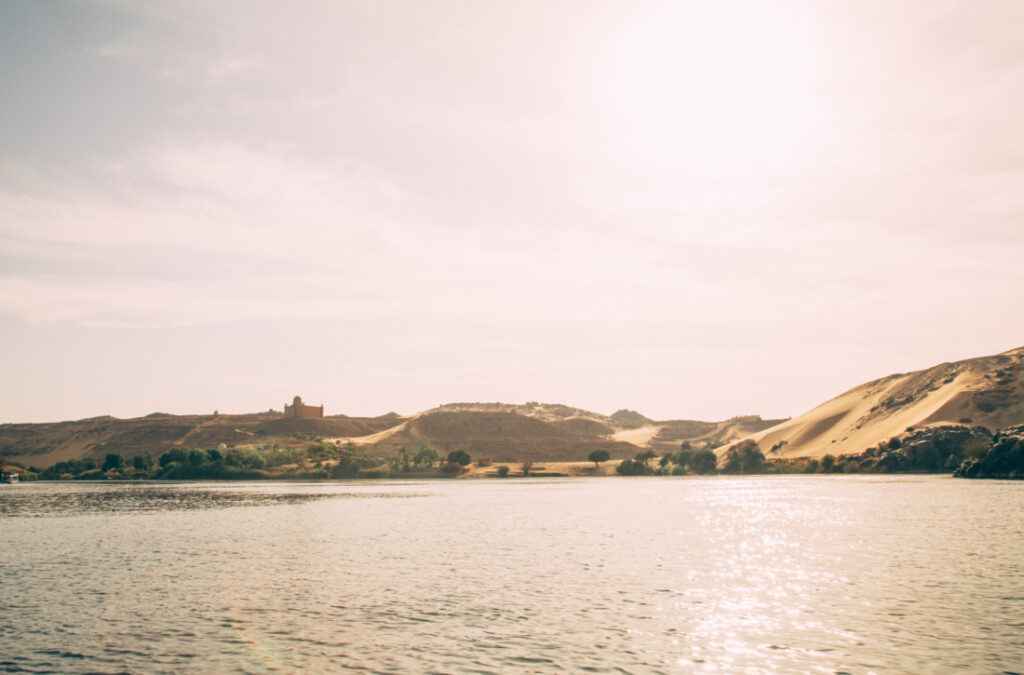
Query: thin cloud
<point>116,51</point>
<point>227,67</point>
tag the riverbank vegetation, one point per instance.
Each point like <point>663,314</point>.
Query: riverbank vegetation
<point>971,452</point>
<point>316,460</point>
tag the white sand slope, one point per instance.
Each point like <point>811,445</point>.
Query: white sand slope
<point>641,437</point>
<point>373,438</point>
<point>987,391</point>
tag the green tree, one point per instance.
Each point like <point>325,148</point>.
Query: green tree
<point>745,457</point>
<point>704,462</point>
<point>460,457</point>
<point>174,455</point>
<point>645,456</point>
<point>503,471</point>
<point>425,455</point>
<point>828,462</point>
<point>114,460</point>
<point>142,462</point>
<point>598,456</point>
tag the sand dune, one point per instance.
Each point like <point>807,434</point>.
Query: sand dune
<point>985,391</point>
<point>641,437</point>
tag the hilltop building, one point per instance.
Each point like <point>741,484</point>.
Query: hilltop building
<point>300,411</point>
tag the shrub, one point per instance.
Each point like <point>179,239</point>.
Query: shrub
<point>244,457</point>
<point>345,468</point>
<point>634,467</point>
<point>828,462</point>
<point>503,471</point>
<point>94,474</point>
<point>113,461</point>
<point>452,469</point>
<point>460,457</point>
<point>318,449</point>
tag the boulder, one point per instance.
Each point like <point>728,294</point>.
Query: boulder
<point>1005,459</point>
<point>941,448</point>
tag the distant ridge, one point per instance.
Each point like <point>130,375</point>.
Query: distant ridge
<point>500,431</point>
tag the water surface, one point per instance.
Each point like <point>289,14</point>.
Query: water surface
<point>777,574</point>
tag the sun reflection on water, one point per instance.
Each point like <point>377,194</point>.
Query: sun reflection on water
<point>787,574</point>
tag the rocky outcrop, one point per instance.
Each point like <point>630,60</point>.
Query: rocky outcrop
<point>630,418</point>
<point>934,449</point>
<point>1005,459</point>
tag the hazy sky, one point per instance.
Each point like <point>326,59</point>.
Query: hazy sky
<point>692,209</point>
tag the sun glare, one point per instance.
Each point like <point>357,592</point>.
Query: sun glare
<point>712,84</point>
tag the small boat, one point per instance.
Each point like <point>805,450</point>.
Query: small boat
<point>8,478</point>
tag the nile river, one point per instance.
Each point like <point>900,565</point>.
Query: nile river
<point>789,574</point>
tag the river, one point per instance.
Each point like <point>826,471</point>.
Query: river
<point>789,574</point>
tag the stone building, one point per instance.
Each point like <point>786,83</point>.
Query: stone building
<point>300,411</point>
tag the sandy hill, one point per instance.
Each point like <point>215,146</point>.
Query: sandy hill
<point>42,445</point>
<point>502,432</point>
<point>506,432</point>
<point>986,391</point>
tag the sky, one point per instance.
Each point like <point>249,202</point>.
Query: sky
<point>691,209</point>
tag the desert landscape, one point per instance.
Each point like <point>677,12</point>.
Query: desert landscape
<point>965,401</point>
<point>672,336</point>
<point>500,432</point>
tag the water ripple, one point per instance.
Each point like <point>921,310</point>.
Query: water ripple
<point>775,574</point>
